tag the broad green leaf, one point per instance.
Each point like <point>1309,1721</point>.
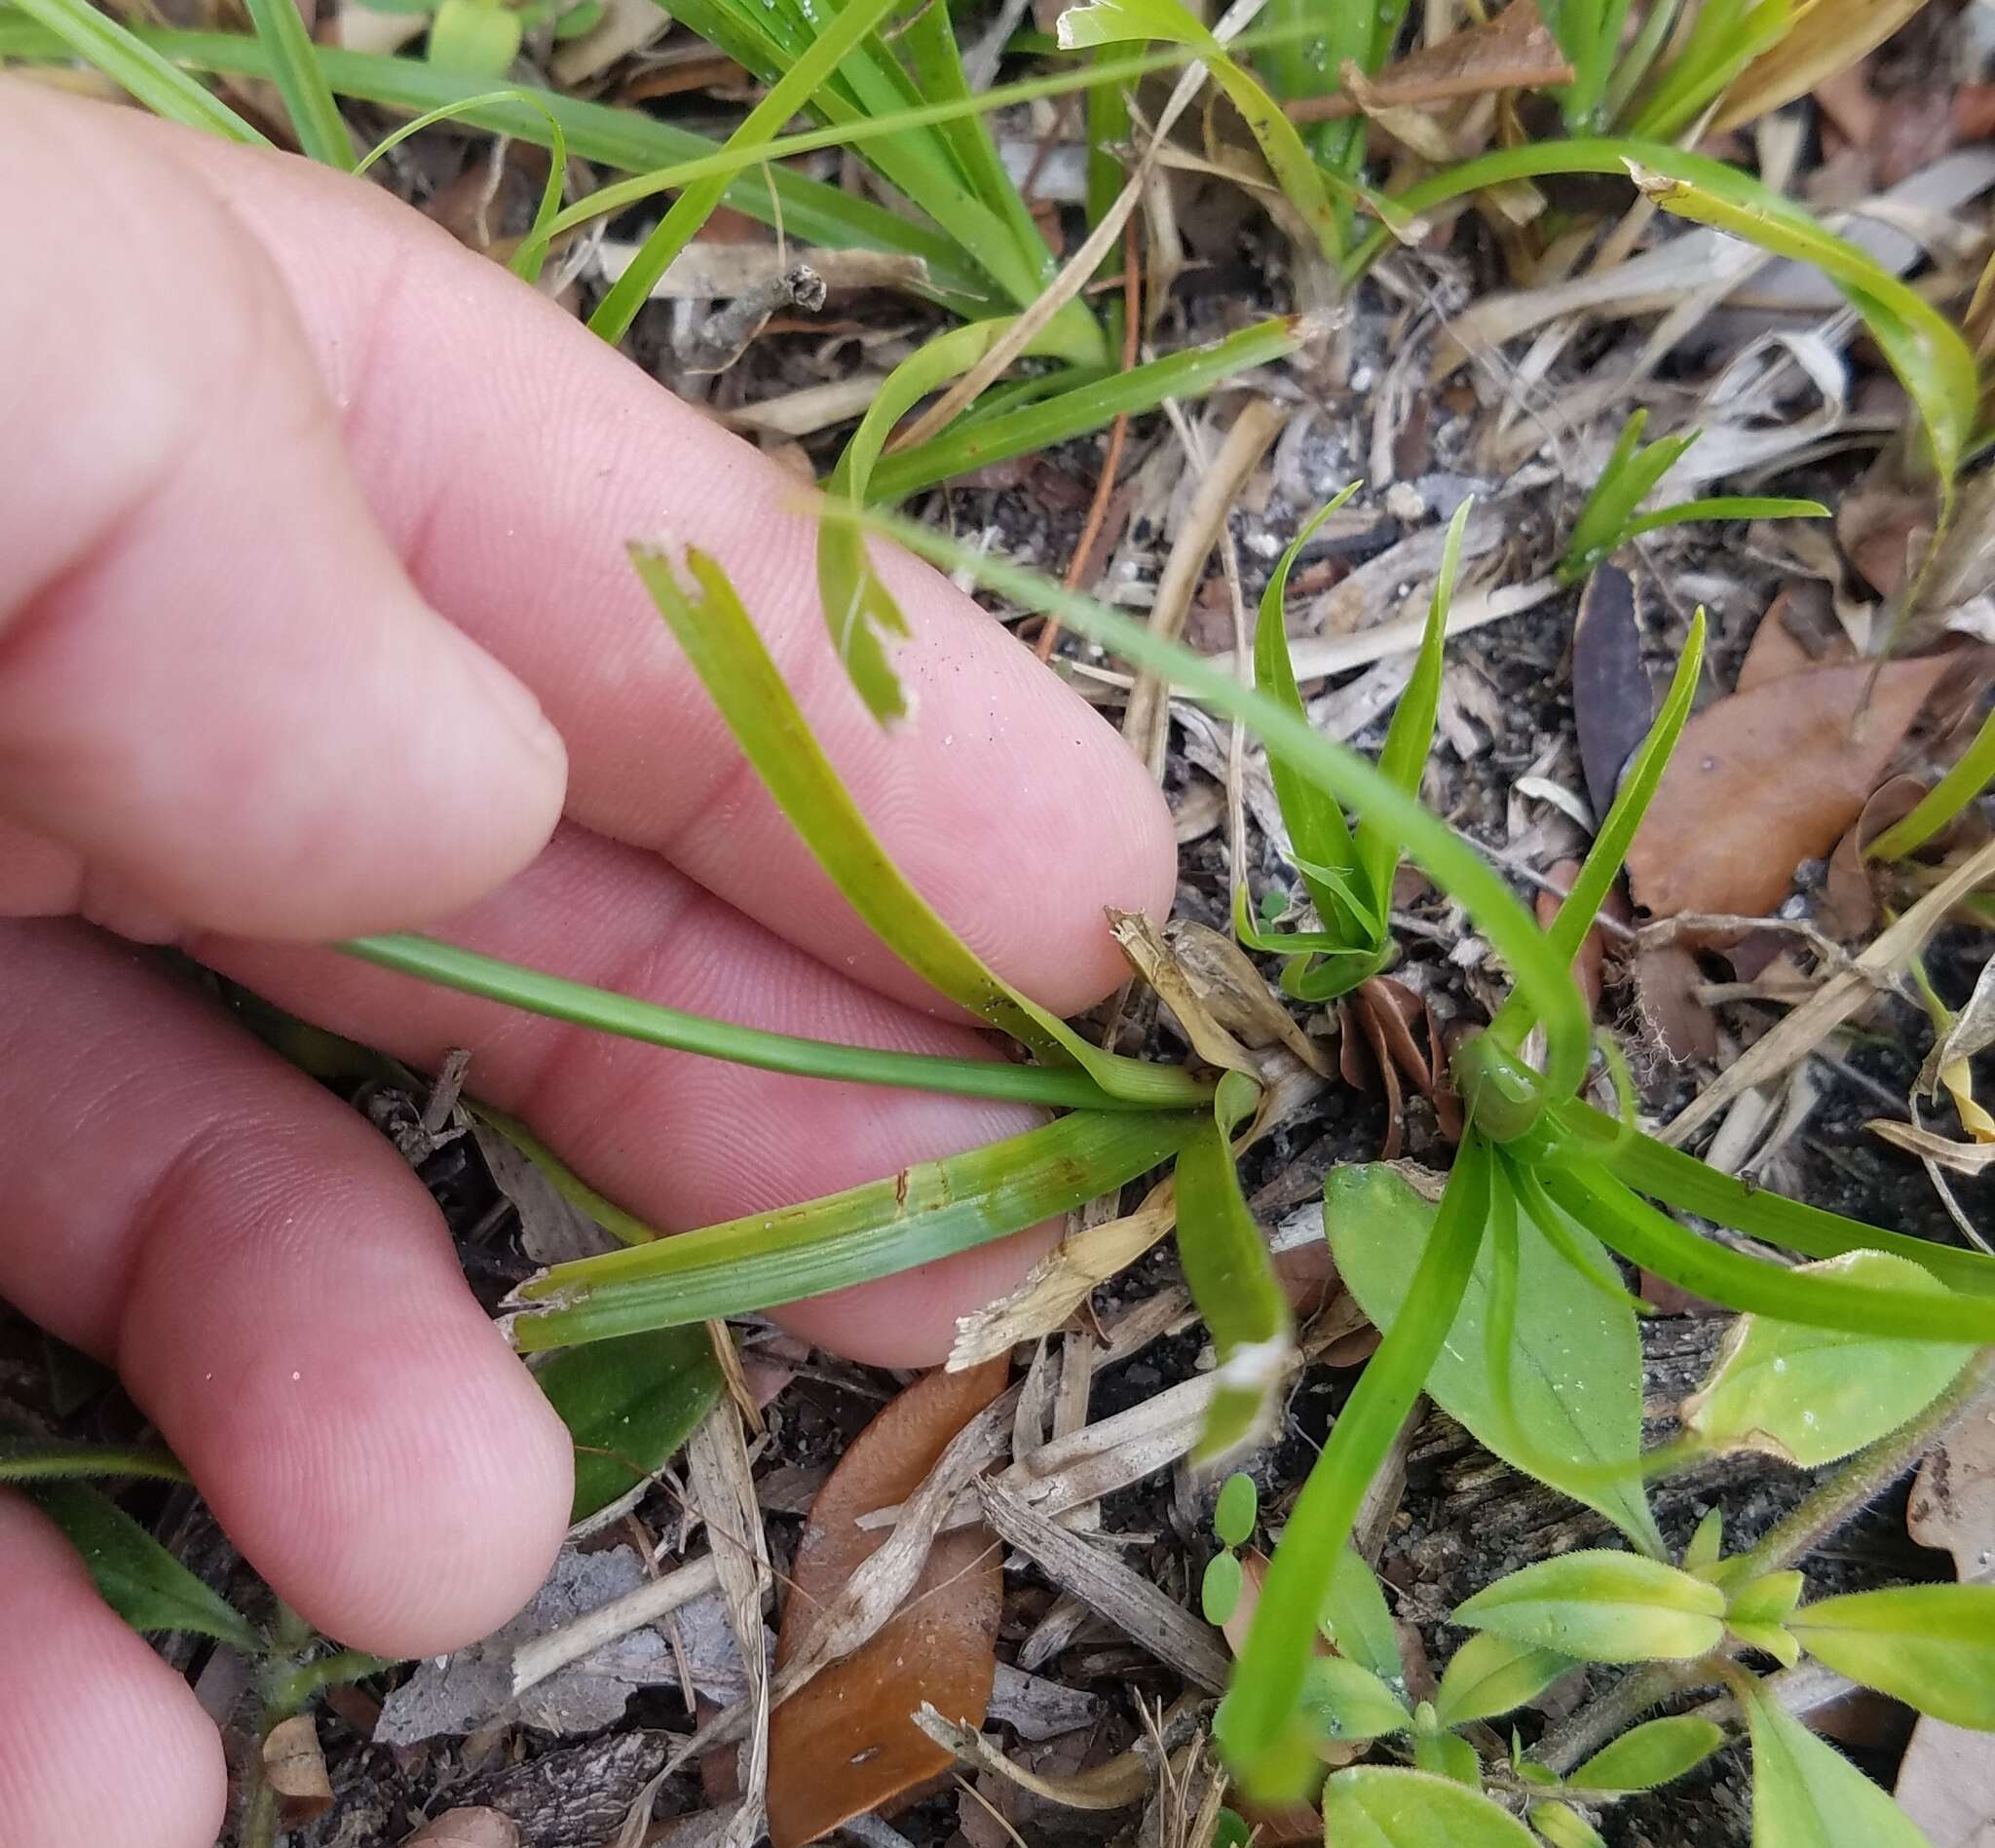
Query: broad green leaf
<point>1770,1598</point>
<point>136,1575</point>
<point>1325,853</point>
<point>629,1404</point>
<point>1356,1622</point>
<point>1575,1356</point>
<point>806,77</point>
<point>1236,1510</point>
<point>1378,1806</point>
<point>604,1010</point>
<point>1125,22</point>
<point>1603,1607</point>
<point>1651,1753</point>
<point>475,36</point>
<point>136,66</point>
<point>925,1212</point>
<point>1810,1395</point>
<point>1446,1755</point>
<point>1346,1702</point>
<point>27,1459</point>
<point>1218,1591</point>
<point>1932,1647</point>
<point>1703,1266</point>
<point>1490,1675</point>
<point>1806,1795</point>
<point>721,642</point>
<point>1564,1826</point>
<point>308,97</point>
<point>1410,736</point>
<point>1231,1276</point>
<point>1258,1725</point>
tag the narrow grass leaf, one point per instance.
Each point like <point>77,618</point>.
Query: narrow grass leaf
<point>1810,1395</point>
<point>1726,506</point>
<point>134,65</point>
<point>1451,861</point>
<point>136,1575</point>
<point>1644,1236</point>
<point>604,1010</point>
<point>1232,1280</point>
<point>1806,1795</point>
<point>1410,736</point>
<point>1380,1806</point>
<point>931,1209</point>
<point>1574,1356</point>
<point>27,1459</point>
<point>308,97</point>
<point>712,627</point>
<point>1943,803</point>
<point>856,20</point>
<point>1259,1728</point>
<point>1932,1647</point>
<point>1603,1607</point>
<point>629,1405</point>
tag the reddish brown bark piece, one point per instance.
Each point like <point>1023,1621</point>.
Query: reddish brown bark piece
<point>1763,780</point>
<point>845,1743</point>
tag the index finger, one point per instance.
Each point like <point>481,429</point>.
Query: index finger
<point>511,457</point>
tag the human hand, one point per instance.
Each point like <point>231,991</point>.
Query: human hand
<point>290,476</point>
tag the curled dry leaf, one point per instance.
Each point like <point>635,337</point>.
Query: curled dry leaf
<point>1236,993</point>
<point>1515,51</point>
<point>1152,958</point>
<point>466,1829</point>
<point>1848,906</point>
<point>1376,1038</point>
<point>1765,779</point>
<point>846,1742</point>
<point>1961,1157</point>
<point>294,1768</point>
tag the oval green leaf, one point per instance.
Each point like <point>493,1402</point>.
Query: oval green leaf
<point>629,1404</point>
<point>1491,1673</point>
<point>1376,1806</point>
<point>1347,1702</point>
<point>1564,1826</point>
<point>1356,1622</point>
<point>1933,1646</point>
<point>1810,1395</point>
<point>1575,1356</point>
<point>1218,1591</point>
<point>1234,1513</point>
<point>1650,1754</point>
<point>1806,1795</point>
<point>1603,1607</point>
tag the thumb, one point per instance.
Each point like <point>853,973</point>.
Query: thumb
<point>220,692</point>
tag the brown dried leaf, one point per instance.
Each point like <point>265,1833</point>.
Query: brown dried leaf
<point>294,1768</point>
<point>1152,958</point>
<point>1590,964</point>
<point>1515,51</point>
<point>1236,993</point>
<point>466,1829</point>
<point>1962,1158</point>
<point>1848,906</point>
<point>1762,780</point>
<point>1798,631</point>
<point>1824,39</point>
<point>1378,1017</point>
<point>846,1742</point>
<point>1884,525</point>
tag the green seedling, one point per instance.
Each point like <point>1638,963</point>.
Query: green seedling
<point>1610,518</point>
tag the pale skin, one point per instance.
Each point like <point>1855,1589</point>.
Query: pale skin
<point>315,619</point>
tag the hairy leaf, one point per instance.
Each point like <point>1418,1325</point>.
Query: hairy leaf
<point>1603,1607</point>
<point>1378,1806</point>
<point>1933,1646</point>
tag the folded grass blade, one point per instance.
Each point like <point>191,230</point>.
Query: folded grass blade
<point>722,644</point>
<point>925,1212</point>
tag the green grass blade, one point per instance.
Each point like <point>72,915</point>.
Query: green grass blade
<point>1686,1183</point>
<point>624,139</point>
<point>132,64</point>
<point>532,251</point>
<point>1315,820</point>
<point>924,1213</point>
<point>1264,1740</point>
<point>1232,1280</point>
<point>1726,39</point>
<point>855,23</point>
<point>1945,800</point>
<point>605,1011</point>
<point>27,1459</point>
<point>1025,432</point>
<point>307,99</point>
<point>1726,506</point>
<point>1451,861</point>
<point>724,649</point>
<point>1410,736</point>
<point>1650,1238</point>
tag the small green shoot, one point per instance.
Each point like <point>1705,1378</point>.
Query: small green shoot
<point>308,97</point>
